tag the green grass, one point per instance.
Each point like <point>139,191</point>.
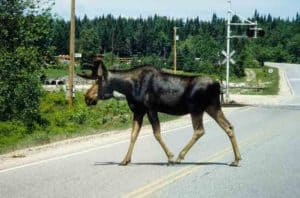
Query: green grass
<point>58,71</point>
<point>55,73</point>
<point>270,81</point>
<point>60,122</point>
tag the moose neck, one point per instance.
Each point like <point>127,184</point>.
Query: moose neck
<point>120,82</point>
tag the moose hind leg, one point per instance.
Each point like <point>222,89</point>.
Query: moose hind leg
<point>153,118</point>
<point>219,116</point>
<point>136,126</point>
<point>197,121</point>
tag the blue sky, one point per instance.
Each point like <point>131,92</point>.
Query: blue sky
<point>176,8</point>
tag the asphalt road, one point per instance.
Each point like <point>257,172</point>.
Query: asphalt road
<point>268,138</point>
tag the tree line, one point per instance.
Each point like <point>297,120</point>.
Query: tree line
<point>198,39</point>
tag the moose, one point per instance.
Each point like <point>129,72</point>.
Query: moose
<point>149,90</point>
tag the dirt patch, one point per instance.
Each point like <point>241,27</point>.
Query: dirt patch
<point>250,75</point>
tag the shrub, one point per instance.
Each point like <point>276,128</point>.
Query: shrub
<point>24,40</point>
<point>12,128</point>
<point>79,116</point>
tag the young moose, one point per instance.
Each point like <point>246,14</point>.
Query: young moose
<point>149,91</point>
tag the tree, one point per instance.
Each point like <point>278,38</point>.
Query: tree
<point>199,53</point>
<point>24,41</point>
<point>294,47</point>
<point>89,44</point>
<point>245,59</point>
<point>153,36</point>
<point>61,32</point>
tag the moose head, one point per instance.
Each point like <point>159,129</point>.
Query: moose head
<point>100,89</point>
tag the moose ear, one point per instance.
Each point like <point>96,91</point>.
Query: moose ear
<point>87,75</point>
<point>98,70</point>
<point>102,71</point>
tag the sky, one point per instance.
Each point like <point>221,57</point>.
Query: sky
<point>203,9</point>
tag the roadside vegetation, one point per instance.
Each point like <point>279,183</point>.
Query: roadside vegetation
<point>60,122</point>
<point>263,81</point>
<point>57,70</point>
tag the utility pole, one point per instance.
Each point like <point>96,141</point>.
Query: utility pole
<point>112,46</point>
<point>228,50</point>
<point>175,51</point>
<point>72,53</point>
<point>252,32</point>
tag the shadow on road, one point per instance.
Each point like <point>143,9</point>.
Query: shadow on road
<point>164,164</point>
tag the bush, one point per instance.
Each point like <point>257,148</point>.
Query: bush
<point>11,133</point>
<point>79,116</point>
<point>24,40</point>
<point>20,86</point>
<point>12,128</point>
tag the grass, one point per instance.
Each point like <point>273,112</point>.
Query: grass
<point>270,82</point>
<point>58,71</point>
<point>55,73</point>
<point>60,122</point>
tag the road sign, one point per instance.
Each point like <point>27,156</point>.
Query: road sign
<point>78,55</point>
<point>230,55</point>
<point>224,53</point>
<point>270,71</point>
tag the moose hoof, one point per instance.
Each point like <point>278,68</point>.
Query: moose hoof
<point>171,162</point>
<point>124,162</point>
<point>171,159</point>
<point>178,160</point>
<point>235,163</point>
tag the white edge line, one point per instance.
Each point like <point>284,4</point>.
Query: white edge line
<point>86,151</point>
<point>91,149</point>
<point>289,83</point>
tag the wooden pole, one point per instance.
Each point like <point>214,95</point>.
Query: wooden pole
<point>112,46</point>
<point>175,51</point>
<point>72,53</point>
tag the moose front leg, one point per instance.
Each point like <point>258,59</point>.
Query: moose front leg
<point>153,118</point>
<point>136,126</point>
<point>197,120</point>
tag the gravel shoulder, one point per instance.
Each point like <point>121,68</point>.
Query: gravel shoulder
<point>86,143</point>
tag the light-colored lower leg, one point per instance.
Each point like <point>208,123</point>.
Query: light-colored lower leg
<point>134,134</point>
<point>153,118</point>
<point>237,155</point>
<point>169,154</point>
<point>197,121</point>
<point>197,134</point>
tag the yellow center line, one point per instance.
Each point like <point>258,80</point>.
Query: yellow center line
<point>171,178</point>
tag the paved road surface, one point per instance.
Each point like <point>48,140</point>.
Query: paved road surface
<point>268,138</point>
